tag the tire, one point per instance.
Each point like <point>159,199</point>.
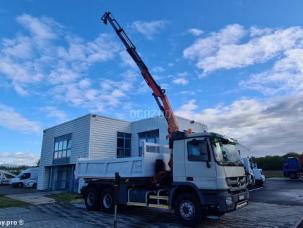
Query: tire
<point>35,186</point>
<point>188,209</point>
<point>293,176</point>
<point>20,185</point>
<point>92,199</point>
<point>107,200</point>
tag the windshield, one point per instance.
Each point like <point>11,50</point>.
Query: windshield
<point>226,152</point>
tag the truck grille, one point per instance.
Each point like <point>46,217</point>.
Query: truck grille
<point>236,183</point>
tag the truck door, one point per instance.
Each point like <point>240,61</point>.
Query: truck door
<point>199,165</point>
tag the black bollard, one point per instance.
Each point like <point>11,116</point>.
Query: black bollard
<point>116,197</point>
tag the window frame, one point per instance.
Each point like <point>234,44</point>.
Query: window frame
<point>123,151</point>
<point>150,136</point>
<point>62,147</point>
<point>25,176</point>
<point>199,159</point>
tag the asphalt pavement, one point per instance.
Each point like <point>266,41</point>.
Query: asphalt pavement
<point>279,191</point>
<point>7,189</point>
<point>277,204</point>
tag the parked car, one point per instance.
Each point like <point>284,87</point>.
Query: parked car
<point>27,178</point>
<point>5,177</point>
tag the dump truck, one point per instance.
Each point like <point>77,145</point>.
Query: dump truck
<point>293,167</point>
<point>201,175</point>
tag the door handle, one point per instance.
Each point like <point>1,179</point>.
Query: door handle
<point>189,178</point>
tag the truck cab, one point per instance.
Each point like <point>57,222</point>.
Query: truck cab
<point>293,168</point>
<point>210,165</point>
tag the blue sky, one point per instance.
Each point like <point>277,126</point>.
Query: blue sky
<point>236,66</point>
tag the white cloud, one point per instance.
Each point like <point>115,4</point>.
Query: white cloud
<point>74,61</point>
<point>158,69</point>
<point>187,109</point>
<point>180,81</point>
<point>187,92</point>
<point>237,47</point>
<point>41,28</point>
<point>57,63</point>
<point>54,112</point>
<point>35,58</point>
<point>108,94</point>
<point>285,77</point>
<point>180,78</point>
<point>18,158</point>
<point>267,127</point>
<point>195,31</point>
<point>127,60</point>
<point>149,28</point>
<point>11,119</point>
<point>18,63</point>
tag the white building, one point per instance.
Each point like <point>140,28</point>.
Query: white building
<point>97,137</point>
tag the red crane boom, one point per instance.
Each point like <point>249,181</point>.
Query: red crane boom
<point>158,92</point>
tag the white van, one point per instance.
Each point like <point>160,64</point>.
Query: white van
<point>6,177</point>
<point>27,178</point>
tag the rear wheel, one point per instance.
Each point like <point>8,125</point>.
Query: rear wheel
<point>107,200</point>
<point>188,209</point>
<point>293,176</point>
<point>92,202</point>
<point>259,183</point>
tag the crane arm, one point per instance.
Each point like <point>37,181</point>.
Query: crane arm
<point>158,92</point>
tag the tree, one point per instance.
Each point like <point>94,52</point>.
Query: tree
<point>273,162</point>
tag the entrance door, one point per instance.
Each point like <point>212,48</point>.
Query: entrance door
<point>61,178</point>
<point>200,168</point>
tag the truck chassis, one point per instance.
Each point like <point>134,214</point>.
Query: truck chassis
<point>189,204</point>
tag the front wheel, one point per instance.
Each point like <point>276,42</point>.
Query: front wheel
<point>188,209</point>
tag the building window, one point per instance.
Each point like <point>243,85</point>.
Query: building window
<point>123,144</point>
<point>149,137</point>
<point>63,146</point>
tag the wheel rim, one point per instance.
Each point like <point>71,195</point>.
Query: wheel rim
<point>90,199</point>
<point>187,209</point>
<point>107,201</point>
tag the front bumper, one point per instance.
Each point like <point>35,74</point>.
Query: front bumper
<point>233,201</point>
<point>222,201</point>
